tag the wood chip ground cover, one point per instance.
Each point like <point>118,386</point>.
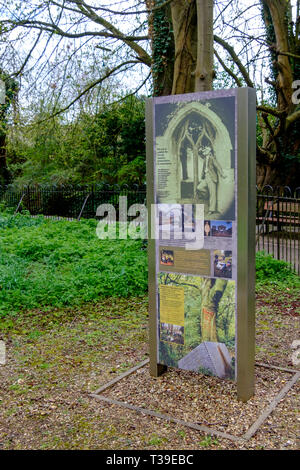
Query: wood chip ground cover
<point>55,359</point>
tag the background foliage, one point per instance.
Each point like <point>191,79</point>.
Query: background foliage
<point>108,146</point>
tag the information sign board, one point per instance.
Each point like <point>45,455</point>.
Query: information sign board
<point>201,191</point>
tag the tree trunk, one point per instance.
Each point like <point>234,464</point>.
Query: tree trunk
<point>279,10</point>
<point>278,154</point>
<point>212,292</point>
<point>193,39</point>
<point>265,175</point>
<point>184,18</point>
<point>162,45</point>
<point>205,50</point>
<point>4,173</point>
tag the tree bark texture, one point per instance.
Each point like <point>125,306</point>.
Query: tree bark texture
<point>4,173</point>
<point>277,161</point>
<point>162,45</point>
<point>184,19</point>
<point>212,292</point>
<point>205,46</point>
<point>193,39</point>
<point>279,10</point>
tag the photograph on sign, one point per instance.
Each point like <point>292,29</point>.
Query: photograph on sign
<point>194,155</point>
<point>167,257</point>
<point>221,228</point>
<point>172,333</point>
<point>204,309</point>
<point>223,263</point>
<point>207,228</point>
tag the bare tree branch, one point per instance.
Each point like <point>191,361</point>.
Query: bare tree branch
<point>90,13</point>
<point>235,59</point>
<point>28,56</point>
<point>266,121</point>
<point>136,90</point>
<point>292,118</point>
<point>52,28</point>
<point>124,13</point>
<point>288,54</point>
<point>273,111</point>
<point>228,70</point>
<point>90,87</point>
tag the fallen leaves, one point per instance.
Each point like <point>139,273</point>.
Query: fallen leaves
<point>53,405</point>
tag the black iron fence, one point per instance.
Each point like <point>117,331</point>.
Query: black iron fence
<point>277,212</point>
<point>72,202</point>
<point>278,223</point>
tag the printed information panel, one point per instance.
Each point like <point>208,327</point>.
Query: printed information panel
<point>199,194</point>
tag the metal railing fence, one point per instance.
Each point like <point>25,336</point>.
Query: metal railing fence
<point>71,202</point>
<point>277,210</point>
<point>278,223</point>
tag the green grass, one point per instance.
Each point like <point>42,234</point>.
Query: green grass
<point>63,263</point>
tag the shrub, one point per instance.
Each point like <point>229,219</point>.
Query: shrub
<point>271,271</point>
<point>55,263</point>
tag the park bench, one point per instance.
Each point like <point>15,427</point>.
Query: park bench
<point>280,213</point>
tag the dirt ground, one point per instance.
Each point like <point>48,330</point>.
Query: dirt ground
<point>56,359</point>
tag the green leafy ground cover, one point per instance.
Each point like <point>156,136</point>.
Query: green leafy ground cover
<point>271,272</point>
<point>47,263</point>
